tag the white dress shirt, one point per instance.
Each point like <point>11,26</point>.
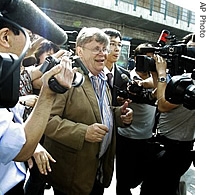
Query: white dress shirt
<point>12,139</point>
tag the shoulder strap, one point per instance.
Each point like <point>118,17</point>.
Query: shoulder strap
<point>157,115</point>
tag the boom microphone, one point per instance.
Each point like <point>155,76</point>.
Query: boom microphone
<point>28,15</point>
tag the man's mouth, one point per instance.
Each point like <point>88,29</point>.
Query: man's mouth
<point>99,60</point>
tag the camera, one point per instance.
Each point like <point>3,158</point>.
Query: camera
<point>133,89</point>
<point>181,90</point>
<point>78,79</point>
<point>180,60</point>
<point>179,57</point>
<point>145,63</point>
<point>136,93</point>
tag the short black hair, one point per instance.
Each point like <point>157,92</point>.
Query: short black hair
<point>138,51</point>
<point>112,32</point>
<point>45,46</point>
<point>5,24</point>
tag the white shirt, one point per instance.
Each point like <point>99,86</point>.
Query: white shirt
<point>12,139</point>
<point>106,71</point>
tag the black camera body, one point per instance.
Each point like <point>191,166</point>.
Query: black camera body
<point>179,57</point>
<point>181,90</point>
<point>78,79</point>
<point>136,93</point>
<point>134,88</point>
<point>9,88</point>
<point>145,63</point>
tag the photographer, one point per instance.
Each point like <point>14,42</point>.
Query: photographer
<point>134,150</point>
<point>19,140</point>
<point>176,129</point>
<point>141,88</point>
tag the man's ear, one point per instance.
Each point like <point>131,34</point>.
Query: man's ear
<point>4,37</point>
<point>79,51</point>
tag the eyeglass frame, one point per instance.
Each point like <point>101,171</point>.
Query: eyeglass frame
<point>97,50</point>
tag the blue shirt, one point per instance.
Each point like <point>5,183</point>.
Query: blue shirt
<point>12,139</point>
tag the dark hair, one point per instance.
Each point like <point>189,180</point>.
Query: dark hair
<point>138,51</point>
<point>112,32</point>
<point>5,24</point>
<point>45,46</point>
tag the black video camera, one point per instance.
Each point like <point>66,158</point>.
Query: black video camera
<point>179,57</point>
<point>78,79</point>
<point>136,93</point>
<point>145,63</point>
<point>181,90</point>
<point>134,88</point>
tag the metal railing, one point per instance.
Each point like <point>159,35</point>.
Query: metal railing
<point>163,7</point>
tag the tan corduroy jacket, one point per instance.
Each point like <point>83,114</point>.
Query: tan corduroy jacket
<point>76,159</point>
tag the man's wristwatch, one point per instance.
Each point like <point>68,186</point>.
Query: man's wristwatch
<point>162,79</point>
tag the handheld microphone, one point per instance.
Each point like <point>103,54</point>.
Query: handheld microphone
<point>125,78</point>
<point>28,15</point>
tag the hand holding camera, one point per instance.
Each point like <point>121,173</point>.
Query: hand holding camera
<point>66,58</point>
<point>62,75</point>
<point>135,92</point>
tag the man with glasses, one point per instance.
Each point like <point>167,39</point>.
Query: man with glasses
<point>79,134</point>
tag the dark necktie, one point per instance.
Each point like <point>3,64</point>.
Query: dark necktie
<point>109,76</point>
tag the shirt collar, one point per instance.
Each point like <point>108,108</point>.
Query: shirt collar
<point>106,70</point>
<point>101,75</point>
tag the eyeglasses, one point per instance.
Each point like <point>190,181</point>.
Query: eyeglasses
<point>97,50</point>
<point>115,44</point>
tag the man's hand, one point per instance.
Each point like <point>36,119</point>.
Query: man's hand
<point>127,114</point>
<point>161,65</point>
<point>28,100</point>
<point>42,158</point>
<point>63,72</point>
<point>96,132</point>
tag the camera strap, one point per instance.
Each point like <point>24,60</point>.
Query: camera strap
<point>13,116</point>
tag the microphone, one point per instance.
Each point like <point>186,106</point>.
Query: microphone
<point>128,80</point>
<point>125,78</point>
<point>28,15</point>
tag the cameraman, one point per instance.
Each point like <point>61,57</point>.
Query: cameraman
<point>134,150</point>
<point>142,77</point>
<point>176,129</point>
<point>19,140</point>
